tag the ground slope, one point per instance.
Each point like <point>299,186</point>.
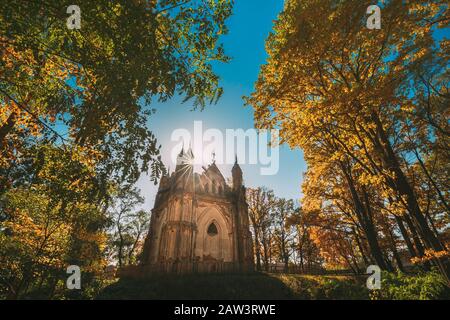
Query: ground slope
<point>238,286</point>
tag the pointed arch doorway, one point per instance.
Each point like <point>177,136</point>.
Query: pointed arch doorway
<point>213,238</point>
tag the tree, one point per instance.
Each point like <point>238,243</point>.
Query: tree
<point>74,106</point>
<point>128,226</point>
<point>352,98</point>
<point>304,248</point>
<point>261,202</point>
<point>283,232</point>
<point>93,87</point>
<point>49,223</point>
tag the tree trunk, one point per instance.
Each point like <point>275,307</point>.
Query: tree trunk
<point>417,242</point>
<point>397,257</point>
<point>6,128</point>
<point>361,248</point>
<point>366,223</point>
<point>284,255</point>
<point>433,183</point>
<point>405,236</point>
<point>266,252</point>
<point>400,183</point>
<point>257,251</point>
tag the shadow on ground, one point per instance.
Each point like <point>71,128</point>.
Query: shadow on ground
<point>236,286</point>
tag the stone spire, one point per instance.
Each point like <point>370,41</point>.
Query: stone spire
<point>236,172</point>
<point>189,153</point>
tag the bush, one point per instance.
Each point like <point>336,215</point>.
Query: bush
<point>325,287</point>
<point>422,286</point>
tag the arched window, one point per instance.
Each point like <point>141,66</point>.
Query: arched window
<point>212,230</point>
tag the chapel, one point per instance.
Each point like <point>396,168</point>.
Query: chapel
<point>199,222</point>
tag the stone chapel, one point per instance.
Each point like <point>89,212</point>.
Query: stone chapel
<point>199,222</point>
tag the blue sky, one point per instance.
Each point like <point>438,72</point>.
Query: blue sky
<point>248,28</point>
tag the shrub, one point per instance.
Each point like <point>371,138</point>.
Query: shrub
<point>422,286</point>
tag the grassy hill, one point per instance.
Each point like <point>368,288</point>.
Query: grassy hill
<point>238,286</point>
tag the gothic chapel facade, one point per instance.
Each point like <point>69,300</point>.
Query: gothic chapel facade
<point>199,223</point>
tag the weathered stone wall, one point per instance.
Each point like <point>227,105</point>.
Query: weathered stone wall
<point>181,267</point>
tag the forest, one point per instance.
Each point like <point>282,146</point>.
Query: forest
<point>369,108</point>
<point>73,132</point>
